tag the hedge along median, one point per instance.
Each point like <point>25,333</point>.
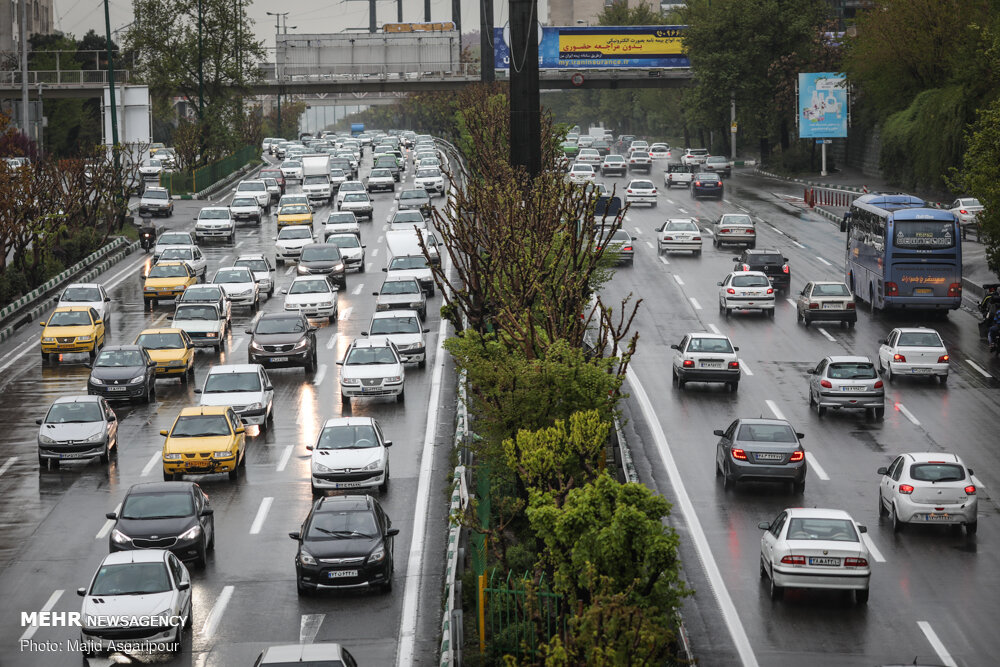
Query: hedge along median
<point>202,178</point>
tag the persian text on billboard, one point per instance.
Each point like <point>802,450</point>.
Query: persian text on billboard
<point>822,105</point>
<point>602,47</point>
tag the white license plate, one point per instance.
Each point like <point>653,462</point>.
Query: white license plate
<point>831,306</point>
<point>338,574</point>
<point>751,293</point>
<point>937,517</point>
<point>371,390</point>
<point>853,388</point>
<point>116,388</point>
<point>920,371</point>
<point>346,485</point>
<point>711,364</point>
<point>769,457</point>
<point>72,455</point>
<point>824,561</point>
<point>275,360</point>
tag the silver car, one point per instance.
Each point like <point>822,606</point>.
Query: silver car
<point>928,488</point>
<point>679,234</point>
<point>77,427</point>
<point>620,245</point>
<point>845,382</point>
<point>735,229</point>
<point>825,300</point>
<point>746,290</point>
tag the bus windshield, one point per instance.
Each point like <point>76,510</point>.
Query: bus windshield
<point>924,234</point>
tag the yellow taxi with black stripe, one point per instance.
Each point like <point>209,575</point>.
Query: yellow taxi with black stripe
<point>72,329</point>
<point>295,214</point>
<point>172,350</point>
<point>203,441</point>
<point>167,280</point>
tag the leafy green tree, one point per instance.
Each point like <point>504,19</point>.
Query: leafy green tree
<point>980,177</point>
<point>619,13</point>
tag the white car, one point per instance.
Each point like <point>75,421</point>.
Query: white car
<point>289,242</point>
<point>382,180</point>
<point>659,152</point>
<point>291,170</point>
<point>589,156</point>
<point>215,222</point>
<point>746,290</point>
<point>430,179</point>
<point>239,285</point>
<point>913,351</point>
<point>337,178</point>
<point>407,220</point>
<point>245,387</point>
<point>415,199</point>
<point>347,187</point>
<point>694,156</point>
<point>313,296</point>
<point>706,357</point>
<point>350,453</point>
<point>151,169</point>
<point>167,239</point>
<point>639,191</point>
<point>91,295</point>
<point>203,322</point>
<point>261,268</point>
<point>679,234</point>
<point>255,188</point>
<point>141,584</point>
<point>582,173</point>
<point>639,159</point>
<point>928,488</point>
<point>806,547</point>
<point>156,201</point>
<point>404,329</point>
<point>341,222</point>
<point>246,209</point>
<point>735,229</point>
<point>190,255</point>
<point>966,210</point>
<point>372,367</point>
<point>359,203</point>
<point>351,249</point>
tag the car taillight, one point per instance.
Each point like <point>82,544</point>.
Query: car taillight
<point>855,562</point>
<point>784,268</point>
<point>794,560</point>
<point>955,289</point>
<point>730,290</point>
<point>668,238</point>
<point>654,191</point>
<point>905,489</point>
<point>825,383</point>
<point>688,363</point>
<point>739,454</point>
<point>899,357</point>
<point>813,306</point>
<point>750,231</point>
<point>850,305</point>
<point>734,364</point>
<point>725,231</point>
<point>891,289</point>
<point>963,211</point>
<point>878,384</point>
<point>970,490</point>
<point>627,248</point>
<point>797,456</point>
<point>696,238</point>
<point>629,191</point>
<point>746,267</point>
<point>697,182</point>
<point>943,359</point>
<point>770,290</point>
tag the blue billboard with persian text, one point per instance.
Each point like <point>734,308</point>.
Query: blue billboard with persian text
<point>599,47</point>
<point>822,105</point>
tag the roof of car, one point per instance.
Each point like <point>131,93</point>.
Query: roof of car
<point>829,282</point>
<point>288,314</point>
<point>251,255</point>
<point>135,556</point>
<point>395,279</point>
<point>339,503</point>
<point>82,398</point>
<point>373,341</point>
<point>928,457</point>
<point>916,330</point>
<point>158,487</point>
<point>749,273</point>
<point>71,309</point>
<point>300,653</point>
<point>817,513</point>
<point>393,314</point>
<point>761,251</point>
<point>849,359</point>
<point>121,348</point>
<point>707,334</point>
<point>82,285</point>
<point>154,188</point>
<point>233,368</point>
<point>171,262</point>
<point>763,420</point>
<point>203,410</point>
<point>348,421</point>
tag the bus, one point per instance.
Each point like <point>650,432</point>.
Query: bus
<point>902,254</point>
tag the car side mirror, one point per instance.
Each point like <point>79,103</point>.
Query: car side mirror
<point>81,592</point>
<point>385,269</point>
<point>799,435</point>
<point>151,364</point>
<point>882,471</point>
<point>364,333</point>
<point>249,331</point>
<point>364,246</point>
<point>184,585</point>
<point>269,387</point>
<point>883,341</point>
<point>784,259</point>
<point>387,443</point>
<point>42,323</point>
<point>312,329</point>
<point>736,259</point>
<point>374,293</point>
<point>719,432</point>
<point>764,525</point>
<point>736,348</point>
<point>197,391</point>
<point>862,528</point>
<point>107,299</point>
<point>719,283</point>
<point>112,417</point>
<point>163,432</point>
<point>674,347</point>
<point>426,330</point>
<point>392,532</point>
<point>295,536</point>
<point>208,511</point>
<point>240,429</point>
<point>113,516</point>
<point>38,421</point>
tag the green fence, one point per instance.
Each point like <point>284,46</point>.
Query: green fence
<point>184,182</point>
<point>517,612</point>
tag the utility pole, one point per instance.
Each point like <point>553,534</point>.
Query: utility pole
<point>277,31</point>
<point>23,27</point>
<point>487,73</point>
<point>427,11</point>
<point>372,19</point>
<point>114,108</point>
<point>732,124</point>
<point>201,72</point>
<point>525,113</point>
<point>456,16</point>
<point>399,11</point>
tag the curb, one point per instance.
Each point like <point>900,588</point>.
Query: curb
<point>815,184</point>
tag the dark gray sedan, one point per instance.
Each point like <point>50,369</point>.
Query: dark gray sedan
<point>122,372</point>
<point>760,450</point>
<point>283,339</point>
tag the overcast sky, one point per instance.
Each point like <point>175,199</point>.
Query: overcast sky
<point>76,17</point>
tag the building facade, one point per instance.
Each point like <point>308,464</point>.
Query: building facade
<point>39,21</point>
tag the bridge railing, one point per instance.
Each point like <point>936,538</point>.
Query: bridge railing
<point>64,77</point>
<point>292,73</point>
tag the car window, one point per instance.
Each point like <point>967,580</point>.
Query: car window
<point>320,253</point>
<point>165,505</point>
<point>70,318</point>
<point>919,339</point>
<point>194,312</point>
<point>74,413</point>
<point>764,258</point>
<point>160,341</point>
<point>400,287</point>
<point>362,356</point>
<point>766,433</point>
<point>407,262</point>
<point>214,214</point>
<point>778,524</point>
<point>175,238</point>
<point>735,220</point>
<point>294,233</point>
<point>896,469</point>
<point>233,275</point>
<point>169,271</point>
<point>200,426</point>
<point>175,567</point>
<point>309,287</point>
<point>279,325</point>
<point>681,227</point>
<point>383,326</point>
<point>851,371</point>
<point>81,294</point>
<point>832,530</point>
<point>348,437</point>
<point>344,240</point>
<point>177,253</point>
<point>131,579</point>
<point>223,383</point>
<point>119,359</point>
<point>356,197</point>
<point>830,290</point>
<point>750,281</point>
<point>937,472</point>
<point>718,345</point>
<point>333,525</point>
<point>294,209</point>
<point>253,264</point>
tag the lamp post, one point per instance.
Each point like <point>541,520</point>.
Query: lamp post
<point>277,31</point>
<point>201,72</point>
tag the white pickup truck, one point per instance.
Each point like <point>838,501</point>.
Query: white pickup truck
<point>677,174</point>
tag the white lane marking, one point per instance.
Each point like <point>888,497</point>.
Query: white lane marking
<point>650,244</point>
<point>152,462</point>
<point>777,230</point>
<point>872,549</point>
<point>742,208</point>
<point>678,279</point>
<point>320,374</point>
<point>7,464</point>
<point>224,259</point>
<point>826,334</point>
<point>935,642</point>
<point>332,342</point>
<point>727,201</point>
<point>694,302</point>
<point>19,355</point>
<point>797,243</point>
<point>123,274</point>
<point>368,266</point>
<point>823,260</point>
<point>285,455</point>
<point>346,314</point>
<point>238,245</point>
<point>380,238</point>
<point>670,201</point>
<point>681,210</point>
<point>637,230</point>
<point>746,369</point>
<point>106,528</point>
<point>357,290</point>
<point>715,580</point>
<point>309,627</point>
<point>51,602</point>
<point>790,301</point>
<point>775,410</point>
<point>414,563</point>
<point>664,260</point>
<point>258,521</point>
<point>714,328</point>
<point>218,609</point>
<point>159,318</point>
<point>982,371</point>
<point>375,251</point>
<point>252,233</point>
<point>816,467</point>
<point>289,270</point>
<point>906,413</point>
<point>236,343</point>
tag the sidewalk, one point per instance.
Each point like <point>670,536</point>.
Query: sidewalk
<point>975,271</point>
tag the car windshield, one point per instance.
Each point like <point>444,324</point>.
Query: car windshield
<point>677,168</point>
<point>156,194</point>
<point>344,241</point>
<point>759,258</point>
<point>176,238</point>
<point>750,281</point>
<point>74,413</point>
<point>271,183</point>
<point>919,339</point>
<point>381,173</point>
<point>291,164</point>
<point>160,341</point>
<point>852,370</point>
<point>168,271</point>
<point>642,185</point>
<point>81,294</point>
<point>244,201</point>
<point>310,287</point>
<point>428,173</point>
<point>320,253</point>
<point>827,530</point>
<point>316,180</point>
<point>294,233</point>
<point>251,186</point>
<point>348,437</point>
<point>118,359</point>
<point>706,177</point>
<point>366,356</point>
<point>202,293</point>
<point>279,325</point>
<point>294,209</point>
<point>70,318</point>
<point>131,579</point>
<point>214,214</point>
<point>613,158</point>
<point>937,472</point>
<point>223,383</point>
<point>337,173</point>
<point>716,345</point>
<point>407,216</point>
<point>831,290</point>
<point>413,194</point>
<point>259,265</point>
<point>193,312</point>
<point>165,505</point>
<point>341,218</point>
<point>233,275</point>
<point>736,220</point>
<point>177,254</point>
<point>383,326</point>
<point>400,287</point>
<point>327,525</point>
<point>407,262</point>
<point>766,433</point>
<point>356,197</point>
<point>681,227</point>
<point>200,426</point>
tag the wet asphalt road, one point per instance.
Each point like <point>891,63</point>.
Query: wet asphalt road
<point>928,575</point>
<point>52,526</point>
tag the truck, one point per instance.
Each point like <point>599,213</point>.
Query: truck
<point>316,176</point>
<point>357,128</point>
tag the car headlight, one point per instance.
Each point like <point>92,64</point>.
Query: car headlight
<point>350,381</point>
<point>83,339</point>
<point>301,344</point>
<point>374,465</point>
<point>97,437</point>
<point>338,267</point>
<point>211,334</point>
<point>410,346</point>
<point>225,454</point>
<point>319,467</point>
<point>47,339</point>
<point>378,555</point>
<point>306,558</point>
<point>96,381</point>
<point>394,378</point>
<point>385,306</point>
<point>416,304</point>
<point>190,533</point>
<point>301,270</point>
<point>136,380</point>
<point>179,287</point>
<point>45,440</point>
<point>171,457</point>
<point>254,345</point>
<point>118,537</point>
<point>176,362</point>
<point>245,292</point>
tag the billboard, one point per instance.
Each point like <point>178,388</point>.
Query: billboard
<point>600,47</point>
<point>822,105</point>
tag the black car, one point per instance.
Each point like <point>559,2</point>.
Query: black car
<point>345,542</point>
<point>323,259</point>
<point>175,516</point>
<point>123,372</point>
<point>769,262</point>
<point>282,339</point>
<point>706,185</point>
<point>760,450</point>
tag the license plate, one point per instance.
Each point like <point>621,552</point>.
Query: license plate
<point>920,371</point>
<point>338,574</point>
<point>853,388</point>
<point>923,290</point>
<point>195,465</point>
<point>824,561</point>
<point>275,360</point>
<point>711,364</point>
<point>116,388</point>
<point>72,455</point>
<point>831,306</point>
<point>370,390</point>
<point>346,485</point>
<point>164,293</point>
<point>937,517</point>
<point>752,293</point>
<point>769,457</point>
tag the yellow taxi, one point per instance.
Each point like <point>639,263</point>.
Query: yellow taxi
<point>172,350</point>
<point>295,214</point>
<point>204,440</point>
<point>72,329</point>
<point>167,280</point>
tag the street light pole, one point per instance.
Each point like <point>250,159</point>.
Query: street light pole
<point>277,31</point>
<point>201,72</point>
<point>23,26</point>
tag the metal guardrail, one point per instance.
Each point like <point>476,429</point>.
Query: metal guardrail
<point>64,77</point>
<point>291,72</point>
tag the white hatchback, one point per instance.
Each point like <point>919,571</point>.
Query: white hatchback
<point>313,296</point>
<point>582,173</point>
<point>640,191</point>
<point>239,285</point>
<point>350,453</point>
<point>746,290</point>
<point>928,488</point>
<point>289,242</point>
<point>914,351</point>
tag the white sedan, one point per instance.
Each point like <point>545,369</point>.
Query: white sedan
<point>91,295</point>
<point>589,156</point>
<point>966,210</point>
<point>239,285</point>
<point>679,234</point>
<point>289,242</point>
<point>913,351</point>
<point>350,453</point>
<point>639,191</point>
<point>928,488</point>
<point>313,296</point>
<point>190,255</point>
<point>807,547</point>
<point>746,290</point>
<point>582,173</point>
<point>372,367</point>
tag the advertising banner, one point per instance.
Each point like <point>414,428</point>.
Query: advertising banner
<point>822,105</point>
<point>603,47</point>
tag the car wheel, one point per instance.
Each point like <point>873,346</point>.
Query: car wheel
<point>727,481</point>
<point>234,474</point>
<point>943,379</point>
<point>727,311</point>
<point>202,560</point>
<point>806,321</point>
<point>733,386</point>
<point>167,476</point>
<point>888,374</point>
<point>106,456</point>
<point>697,253</point>
<point>882,513</point>
<point>715,242</point>
<point>812,399</point>
<point>897,525</point>
<point>820,410</point>
<point>879,366</point>
<point>384,486</point>
<point>45,357</point>
<point>345,400</point>
<point>861,597</point>
<point>303,591</point>
<point>770,313</point>
<point>311,363</point>
<point>401,396</point>
<point>777,592</point>
<point>798,315</point>
<point>850,324</point>
<point>799,487</point>
<point>879,413</point>
<point>763,570</point>
<point>971,528</point>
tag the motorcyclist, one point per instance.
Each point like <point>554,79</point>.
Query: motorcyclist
<point>147,237</point>
<point>993,334</point>
<point>988,306</point>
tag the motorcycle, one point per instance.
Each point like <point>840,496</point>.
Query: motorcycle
<point>147,238</point>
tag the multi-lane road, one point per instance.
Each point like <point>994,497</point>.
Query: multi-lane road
<point>53,532</point>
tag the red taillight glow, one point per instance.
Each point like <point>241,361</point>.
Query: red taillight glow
<point>899,357</point>
<point>739,454</point>
<point>813,306</point>
<point>688,363</point>
<point>955,289</point>
<point>629,191</point>
<point>850,305</point>
<point>943,359</point>
<point>627,248</point>
<point>826,384</point>
<point>746,267</point>
<point>734,364</point>
<point>963,211</point>
<point>855,562</point>
<point>891,289</point>
<point>724,231</point>
<point>770,290</point>
<point>730,290</point>
<point>751,231</point>
<point>878,384</point>
<point>794,560</point>
<point>785,268</point>
<point>696,238</point>
<point>797,456</point>
<point>697,182</point>
<point>668,238</point>
<point>970,490</point>
<point>905,489</point>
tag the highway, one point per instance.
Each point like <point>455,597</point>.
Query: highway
<point>53,532</point>
<point>934,590</point>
